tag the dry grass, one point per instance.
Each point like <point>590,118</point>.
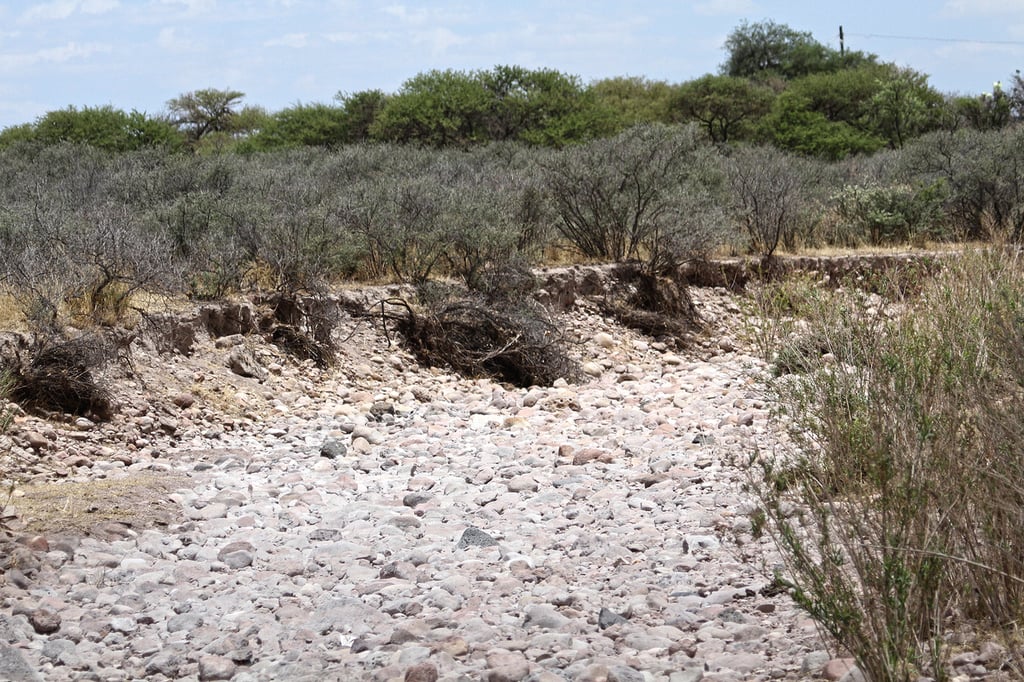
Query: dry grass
<point>908,469</point>
<point>885,250</point>
<point>11,316</point>
<point>138,501</point>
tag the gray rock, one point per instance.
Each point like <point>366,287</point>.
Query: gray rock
<point>333,449</point>
<point>14,667</point>
<point>237,554</point>
<point>61,652</point>
<point>123,624</point>
<point>688,675</point>
<point>814,662</point>
<point>416,499</point>
<point>545,617</point>
<point>381,408</point>
<point>325,535</point>
<point>607,618</point>
<point>422,672</point>
<point>243,362</point>
<point>10,630</point>
<point>216,667</point>
<point>183,622</point>
<point>474,537</point>
<point>44,621</point>
<point>166,663</point>
<point>623,673</point>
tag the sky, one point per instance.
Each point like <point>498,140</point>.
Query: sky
<point>137,54</point>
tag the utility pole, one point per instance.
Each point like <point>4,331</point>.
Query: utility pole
<point>842,48</point>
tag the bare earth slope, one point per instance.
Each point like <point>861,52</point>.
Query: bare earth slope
<point>385,521</point>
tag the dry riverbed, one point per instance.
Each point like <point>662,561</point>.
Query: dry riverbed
<point>386,521</point>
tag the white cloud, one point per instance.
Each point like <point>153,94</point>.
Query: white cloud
<point>98,6</point>
<point>360,38</point>
<point>62,9</point>
<point>982,7</point>
<point>727,7</point>
<point>52,55</point>
<point>193,7</point>
<point>170,39</point>
<point>439,39</point>
<point>402,13</point>
<point>296,40</point>
<point>344,37</point>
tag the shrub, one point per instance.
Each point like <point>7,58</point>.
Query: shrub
<point>892,214</point>
<point>280,219</point>
<point>493,215</point>
<point>983,173</point>
<point>70,242</point>
<point>768,195</point>
<point>647,194</point>
<point>899,512</point>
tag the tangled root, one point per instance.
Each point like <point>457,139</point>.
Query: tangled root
<point>58,377</point>
<point>514,342</point>
<point>658,306</point>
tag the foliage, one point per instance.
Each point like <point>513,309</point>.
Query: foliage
<point>436,108</point>
<point>990,110</point>
<point>648,193</point>
<point>212,116</point>
<point>828,114</point>
<point>892,214</point>
<point>765,49</point>
<point>983,173</point>
<point>898,515</point>
<point>905,106</point>
<point>456,108</point>
<point>301,125</point>
<point>768,191</point>
<point>103,127</point>
<point>633,100</point>
<point>361,110</point>
<point>17,134</point>
<point>727,107</point>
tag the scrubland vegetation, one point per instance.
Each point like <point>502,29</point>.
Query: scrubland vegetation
<point>899,509</point>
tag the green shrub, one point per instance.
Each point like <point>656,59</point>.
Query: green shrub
<point>650,193</point>
<point>769,195</point>
<point>899,512</point>
<point>893,214</point>
<point>983,173</point>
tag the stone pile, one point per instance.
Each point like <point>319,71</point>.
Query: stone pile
<point>383,521</point>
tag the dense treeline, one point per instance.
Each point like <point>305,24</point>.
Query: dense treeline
<point>777,86</point>
<point>82,228</point>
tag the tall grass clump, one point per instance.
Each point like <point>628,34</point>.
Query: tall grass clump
<point>900,512</point>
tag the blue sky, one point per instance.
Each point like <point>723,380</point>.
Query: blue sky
<point>137,54</point>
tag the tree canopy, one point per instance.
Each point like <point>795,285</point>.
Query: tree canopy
<point>764,49</point>
<point>727,107</point>
<point>777,85</point>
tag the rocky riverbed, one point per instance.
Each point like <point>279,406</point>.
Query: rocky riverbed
<point>384,521</point>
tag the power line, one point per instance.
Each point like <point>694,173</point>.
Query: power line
<point>938,40</point>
